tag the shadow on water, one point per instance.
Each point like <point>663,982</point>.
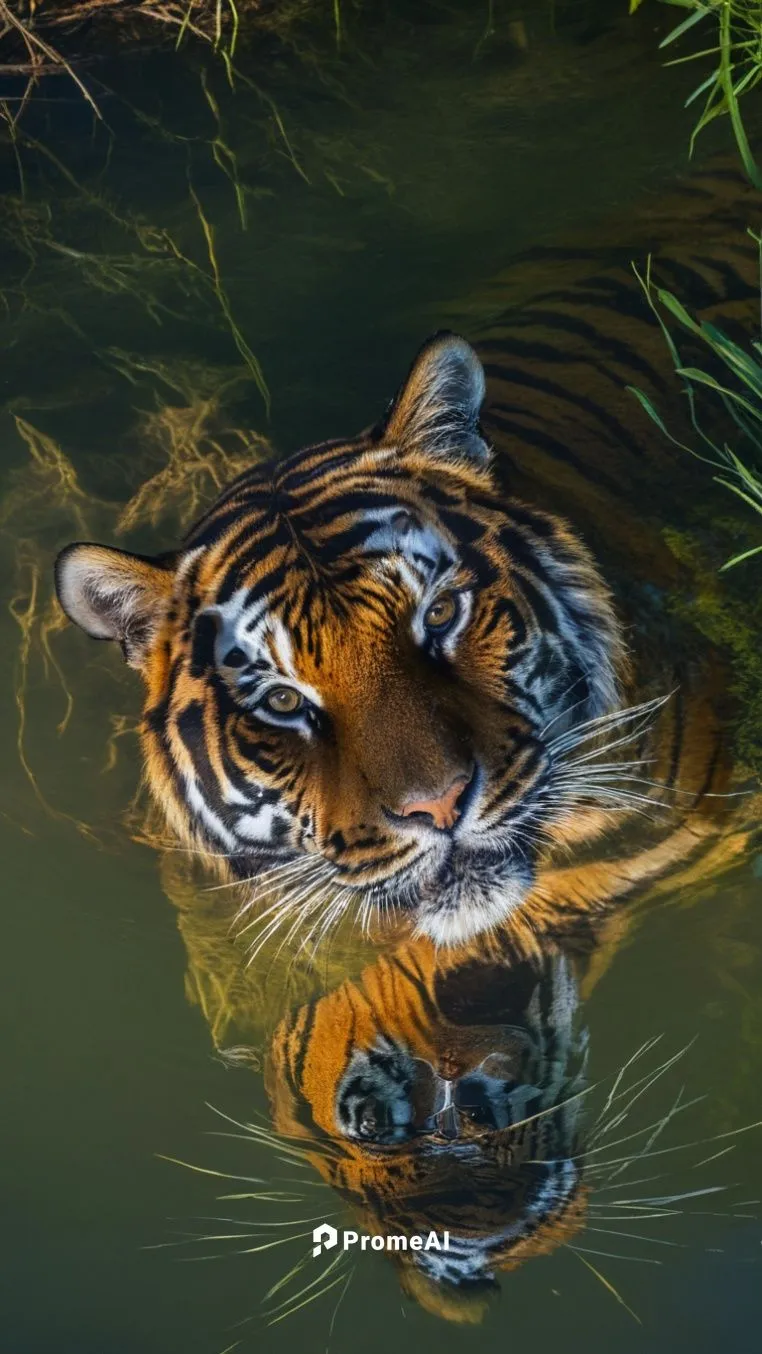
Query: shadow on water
<point>212,272</point>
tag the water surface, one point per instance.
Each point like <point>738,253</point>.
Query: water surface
<point>379,185</point>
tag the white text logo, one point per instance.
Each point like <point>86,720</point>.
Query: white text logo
<point>325,1236</point>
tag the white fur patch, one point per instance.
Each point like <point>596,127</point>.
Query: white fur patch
<point>482,909</point>
<point>257,827</point>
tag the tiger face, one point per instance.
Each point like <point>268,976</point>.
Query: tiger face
<point>364,656</point>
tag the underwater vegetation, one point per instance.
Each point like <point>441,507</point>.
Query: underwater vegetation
<point>189,453</point>
<point>36,35</point>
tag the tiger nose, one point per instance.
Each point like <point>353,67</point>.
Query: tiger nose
<point>442,809</point>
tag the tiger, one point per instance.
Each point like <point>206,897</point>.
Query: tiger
<point>419,673</point>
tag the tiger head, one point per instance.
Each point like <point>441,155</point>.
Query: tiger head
<point>366,655</point>
<point>443,1098</point>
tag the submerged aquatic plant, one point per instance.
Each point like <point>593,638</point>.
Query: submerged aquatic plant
<point>42,38</point>
<point>30,30</point>
<point>734,384</point>
<point>192,449</point>
<point>735,28</point>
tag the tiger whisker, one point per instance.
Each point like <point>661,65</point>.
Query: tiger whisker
<point>250,1129</point>
<point>336,912</point>
<point>616,1255</point>
<point>567,783</point>
<point>582,800</point>
<point>283,910</point>
<point>258,1222</point>
<point>662,1200</point>
<point>168,844</point>
<point>279,1197</point>
<point>564,713</point>
<point>197,1238</point>
<point>649,1077</point>
<point>324,924</point>
<point>676,1108</point>
<point>722,1153</point>
<point>340,1299</point>
<point>635,1217</point>
<point>638,1236</point>
<point>641,1086</point>
<point>276,906</point>
<point>679,1147</point>
<point>613,778</point>
<point>292,1310</point>
<point>261,938</point>
<point>625,739</point>
<point>286,1278</point>
<point>307,937</point>
<point>610,779</point>
<point>712,1213</point>
<point>276,1142</point>
<point>604,795</point>
<point>338,1259</point>
<point>604,749</point>
<point>277,912</point>
<point>607,1284</point>
<point>622,714</point>
<point>263,886</point>
<point>639,1053</point>
<point>312,866</point>
<point>315,902</point>
<point>294,1157</point>
<point>266,1246</point>
<point>208,1170</point>
<point>608,766</point>
<point>257,878</point>
<point>580,793</point>
<point>592,727</point>
<point>658,1125</point>
<point>643,1180</point>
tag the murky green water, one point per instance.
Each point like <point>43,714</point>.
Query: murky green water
<point>379,186</point>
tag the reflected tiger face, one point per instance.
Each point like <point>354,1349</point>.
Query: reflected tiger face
<point>362,662</point>
<point>438,1098</point>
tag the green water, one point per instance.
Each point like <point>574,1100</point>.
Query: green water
<point>382,183</point>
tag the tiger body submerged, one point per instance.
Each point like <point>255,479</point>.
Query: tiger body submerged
<point>389,671</point>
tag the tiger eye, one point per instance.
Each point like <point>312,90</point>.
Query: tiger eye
<point>284,700</point>
<point>442,612</point>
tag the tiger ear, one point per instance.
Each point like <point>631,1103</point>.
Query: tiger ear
<point>112,594</point>
<point>437,408</point>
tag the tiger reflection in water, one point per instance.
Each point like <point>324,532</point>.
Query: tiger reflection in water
<point>432,1090</point>
<point>444,1096</point>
